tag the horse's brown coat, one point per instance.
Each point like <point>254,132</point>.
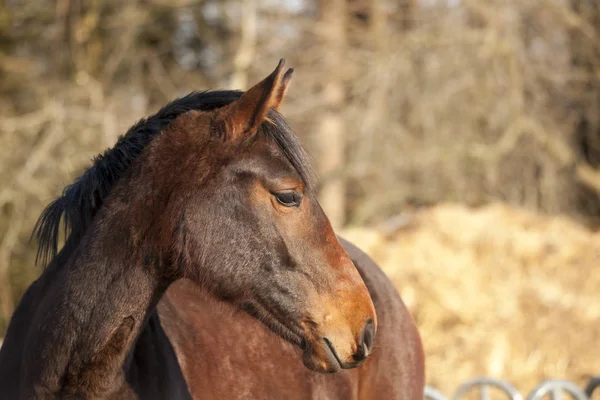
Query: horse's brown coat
<point>225,354</point>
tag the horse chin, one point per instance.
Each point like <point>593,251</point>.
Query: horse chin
<point>318,354</point>
<point>321,358</point>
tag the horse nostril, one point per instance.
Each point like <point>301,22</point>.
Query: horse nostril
<point>365,345</point>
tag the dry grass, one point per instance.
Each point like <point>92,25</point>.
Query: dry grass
<point>496,291</point>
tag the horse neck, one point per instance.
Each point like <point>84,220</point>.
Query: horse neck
<point>90,314</point>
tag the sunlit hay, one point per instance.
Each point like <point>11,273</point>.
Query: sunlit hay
<point>496,291</point>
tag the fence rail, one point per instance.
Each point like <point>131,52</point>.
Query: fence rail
<point>553,389</point>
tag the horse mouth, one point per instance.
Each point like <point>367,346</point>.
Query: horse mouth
<point>332,353</point>
<point>321,358</point>
<point>342,364</point>
<point>324,358</point>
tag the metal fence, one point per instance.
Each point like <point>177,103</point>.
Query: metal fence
<point>553,389</point>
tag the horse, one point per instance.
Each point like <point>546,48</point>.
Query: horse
<point>198,263</point>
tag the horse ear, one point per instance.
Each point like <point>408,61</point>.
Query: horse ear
<point>243,116</point>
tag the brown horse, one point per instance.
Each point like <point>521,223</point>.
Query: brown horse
<point>198,231</point>
<point>232,356</point>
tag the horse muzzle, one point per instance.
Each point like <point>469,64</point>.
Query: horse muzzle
<point>331,354</point>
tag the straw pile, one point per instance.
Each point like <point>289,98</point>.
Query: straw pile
<point>497,292</point>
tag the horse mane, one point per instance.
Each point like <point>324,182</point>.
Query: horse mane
<point>81,200</point>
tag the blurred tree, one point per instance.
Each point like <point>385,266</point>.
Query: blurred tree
<point>246,46</point>
<point>585,59</point>
<point>331,132</point>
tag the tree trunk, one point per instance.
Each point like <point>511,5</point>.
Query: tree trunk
<point>330,133</point>
<point>585,60</point>
<point>246,48</point>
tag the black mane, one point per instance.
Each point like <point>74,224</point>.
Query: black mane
<point>82,199</point>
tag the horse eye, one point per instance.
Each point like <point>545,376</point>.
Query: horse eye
<point>289,199</point>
